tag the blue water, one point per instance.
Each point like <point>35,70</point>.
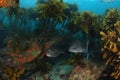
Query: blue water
<point>95,6</point>
<point>27,3</point>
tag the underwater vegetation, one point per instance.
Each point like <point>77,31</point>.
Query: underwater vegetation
<point>110,18</point>
<point>53,9</point>
<point>12,73</point>
<point>38,65</point>
<point>111,42</point>
<point>9,3</point>
<point>46,32</point>
<point>87,23</point>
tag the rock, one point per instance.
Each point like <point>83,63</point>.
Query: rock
<point>90,72</point>
<point>46,77</point>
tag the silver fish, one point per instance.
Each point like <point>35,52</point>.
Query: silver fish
<point>77,47</point>
<point>53,52</point>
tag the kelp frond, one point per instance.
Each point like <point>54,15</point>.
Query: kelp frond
<point>52,9</point>
<point>111,49</point>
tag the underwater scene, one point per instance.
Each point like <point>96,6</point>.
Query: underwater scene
<point>59,39</point>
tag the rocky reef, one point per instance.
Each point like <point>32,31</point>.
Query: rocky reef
<point>90,71</point>
<point>37,40</point>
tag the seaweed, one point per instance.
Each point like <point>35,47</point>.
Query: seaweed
<point>52,9</point>
<point>12,73</point>
<point>111,49</point>
<point>37,65</point>
<point>42,66</point>
<point>110,18</point>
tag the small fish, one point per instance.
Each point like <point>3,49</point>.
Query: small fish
<point>77,47</point>
<point>107,1</point>
<point>53,52</point>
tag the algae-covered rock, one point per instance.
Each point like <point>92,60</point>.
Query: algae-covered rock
<point>60,72</point>
<point>12,73</point>
<point>91,72</point>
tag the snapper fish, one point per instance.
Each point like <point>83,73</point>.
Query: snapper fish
<point>52,52</point>
<point>78,47</point>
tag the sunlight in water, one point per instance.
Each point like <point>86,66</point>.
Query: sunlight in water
<point>92,0</point>
<point>27,3</point>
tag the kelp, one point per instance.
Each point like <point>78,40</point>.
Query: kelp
<point>117,27</point>
<point>52,9</point>
<point>84,22</point>
<point>110,18</point>
<point>12,73</point>
<point>111,49</point>
<point>50,16</point>
<point>87,21</point>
